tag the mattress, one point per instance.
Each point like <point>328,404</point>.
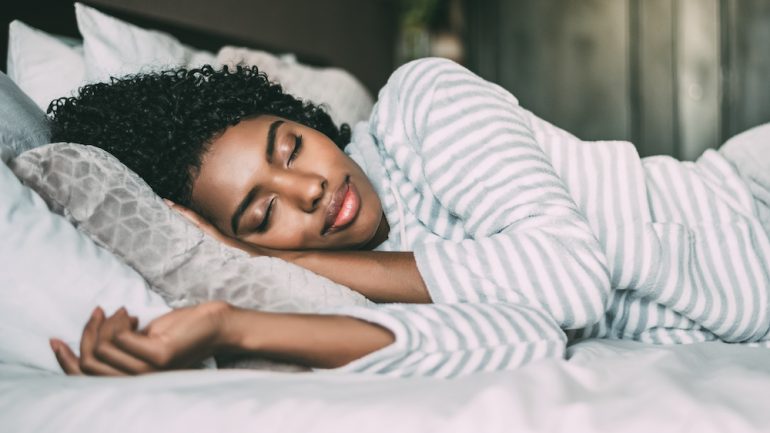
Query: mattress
<point>618,386</point>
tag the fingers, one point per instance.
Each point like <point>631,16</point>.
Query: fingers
<point>66,358</point>
<point>120,360</point>
<point>147,348</point>
<point>90,333</point>
<point>89,364</point>
<point>108,353</point>
<point>202,223</point>
<point>177,339</point>
<point>98,354</point>
<point>112,346</point>
<point>70,363</point>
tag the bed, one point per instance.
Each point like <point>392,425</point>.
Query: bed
<point>55,196</point>
<point>605,386</point>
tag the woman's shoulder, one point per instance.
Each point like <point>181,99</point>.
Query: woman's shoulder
<point>424,70</point>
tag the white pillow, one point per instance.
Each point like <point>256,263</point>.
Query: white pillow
<point>52,277</point>
<point>346,98</point>
<point>44,66</point>
<point>115,48</point>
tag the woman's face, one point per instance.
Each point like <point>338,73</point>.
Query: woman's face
<point>278,184</point>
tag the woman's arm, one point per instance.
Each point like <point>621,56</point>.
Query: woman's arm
<point>393,339</point>
<point>380,276</point>
<point>185,337</point>
<point>466,146</point>
<point>313,340</point>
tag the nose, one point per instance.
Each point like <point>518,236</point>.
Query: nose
<point>304,190</point>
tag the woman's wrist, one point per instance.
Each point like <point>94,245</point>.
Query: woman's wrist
<point>233,332</point>
<point>310,339</point>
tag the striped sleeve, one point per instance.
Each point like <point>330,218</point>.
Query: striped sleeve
<point>451,340</point>
<point>470,145</point>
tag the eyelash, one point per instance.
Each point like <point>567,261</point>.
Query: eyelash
<point>266,220</point>
<point>297,147</point>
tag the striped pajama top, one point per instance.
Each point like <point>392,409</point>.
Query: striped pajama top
<point>528,238</point>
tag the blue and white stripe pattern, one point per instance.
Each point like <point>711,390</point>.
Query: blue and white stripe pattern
<point>520,230</point>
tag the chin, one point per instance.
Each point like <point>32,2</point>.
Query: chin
<point>370,237</point>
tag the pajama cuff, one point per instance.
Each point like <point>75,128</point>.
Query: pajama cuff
<point>429,265</point>
<point>373,362</point>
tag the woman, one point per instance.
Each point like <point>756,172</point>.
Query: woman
<point>493,231</point>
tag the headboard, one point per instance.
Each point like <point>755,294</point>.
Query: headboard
<point>355,35</point>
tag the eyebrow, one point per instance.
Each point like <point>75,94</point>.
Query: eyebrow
<point>271,140</point>
<point>236,218</point>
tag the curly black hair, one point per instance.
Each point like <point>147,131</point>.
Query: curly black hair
<point>160,124</point>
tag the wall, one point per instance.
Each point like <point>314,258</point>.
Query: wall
<point>673,76</point>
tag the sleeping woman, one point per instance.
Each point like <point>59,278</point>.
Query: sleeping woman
<point>489,237</point>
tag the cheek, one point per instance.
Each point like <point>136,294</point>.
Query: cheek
<point>372,222</point>
<point>278,241</point>
<point>290,233</point>
<point>372,206</point>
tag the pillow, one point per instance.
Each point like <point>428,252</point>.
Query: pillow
<point>102,197</point>
<point>52,277</point>
<point>346,98</point>
<point>44,66</point>
<point>116,48</point>
<point>22,124</point>
<point>120,212</point>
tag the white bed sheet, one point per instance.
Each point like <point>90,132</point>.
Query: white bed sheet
<point>606,386</point>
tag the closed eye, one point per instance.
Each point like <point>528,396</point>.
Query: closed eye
<point>265,224</point>
<point>297,147</point>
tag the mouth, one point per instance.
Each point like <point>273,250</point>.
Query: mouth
<point>343,208</point>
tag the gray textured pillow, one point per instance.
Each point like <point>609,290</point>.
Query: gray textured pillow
<point>120,212</point>
<point>22,124</point>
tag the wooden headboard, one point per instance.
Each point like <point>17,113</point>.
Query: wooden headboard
<point>355,35</point>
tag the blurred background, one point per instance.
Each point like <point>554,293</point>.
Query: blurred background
<point>673,76</point>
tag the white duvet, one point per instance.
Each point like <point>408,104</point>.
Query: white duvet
<point>605,386</point>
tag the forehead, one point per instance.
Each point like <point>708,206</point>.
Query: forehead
<point>241,141</point>
<point>229,165</point>
<point>247,132</point>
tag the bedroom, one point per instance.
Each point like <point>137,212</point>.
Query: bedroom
<point>673,77</point>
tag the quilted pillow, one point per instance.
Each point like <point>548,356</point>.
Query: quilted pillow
<point>102,197</point>
<point>120,212</point>
<point>51,277</point>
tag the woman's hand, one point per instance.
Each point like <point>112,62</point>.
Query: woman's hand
<point>184,337</point>
<point>206,227</point>
<point>380,276</point>
<point>112,346</point>
<point>96,345</point>
<point>203,224</point>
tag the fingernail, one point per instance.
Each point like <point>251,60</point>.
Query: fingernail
<point>54,344</point>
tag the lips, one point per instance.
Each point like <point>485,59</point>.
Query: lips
<point>343,208</point>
